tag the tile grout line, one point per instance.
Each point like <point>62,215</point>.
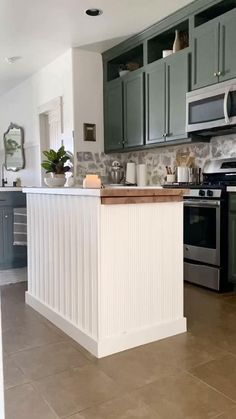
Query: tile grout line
<point>211,387</point>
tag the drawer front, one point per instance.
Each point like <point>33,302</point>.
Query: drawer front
<point>12,199</point>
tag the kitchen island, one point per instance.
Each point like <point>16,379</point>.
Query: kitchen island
<point>106,266</point>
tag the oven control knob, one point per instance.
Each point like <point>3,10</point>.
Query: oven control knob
<point>210,193</point>
<point>201,192</point>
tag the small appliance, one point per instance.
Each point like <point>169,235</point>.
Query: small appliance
<point>212,110</point>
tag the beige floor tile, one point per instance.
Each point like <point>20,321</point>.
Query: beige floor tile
<point>183,397</point>
<point>23,402</point>
<point>220,374</point>
<point>35,334</point>
<point>231,414</point>
<point>48,359</point>
<point>13,375</point>
<point>183,351</point>
<point>78,389</point>
<point>134,368</point>
<point>123,408</point>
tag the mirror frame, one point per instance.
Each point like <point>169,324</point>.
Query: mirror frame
<point>14,126</point>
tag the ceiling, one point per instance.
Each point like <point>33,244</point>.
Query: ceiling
<point>40,31</point>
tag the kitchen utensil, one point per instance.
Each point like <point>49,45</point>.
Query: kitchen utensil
<point>182,174</point>
<point>116,173</point>
<point>170,178</point>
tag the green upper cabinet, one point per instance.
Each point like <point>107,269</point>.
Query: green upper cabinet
<point>113,115</point>
<point>205,55</point>
<point>155,102</point>
<point>177,83</point>
<point>214,54</point>
<point>134,109</point>
<point>166,88</point>
<point>227,57</point>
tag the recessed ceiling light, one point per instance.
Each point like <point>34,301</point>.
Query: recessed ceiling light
<point>12,60</point>
<point>93,12</point>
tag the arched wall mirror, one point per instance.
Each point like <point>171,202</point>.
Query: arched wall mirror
<point>14,148</point>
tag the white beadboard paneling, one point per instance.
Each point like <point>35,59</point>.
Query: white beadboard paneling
<point>141,266</point>
<point>111,276</point>
<point>62,253</point>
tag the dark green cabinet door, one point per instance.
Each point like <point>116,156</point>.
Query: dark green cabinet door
<point>8,247</point>
<point>205,55</point>
<point>134,110</point>
<point>113,115</point>
<point>155,102</point>
<point>232,247</point>
<point>1,237</point>
<point>227,65</point>
<point>176,88</point>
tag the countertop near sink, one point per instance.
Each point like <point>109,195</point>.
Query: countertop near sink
<point>10,189</point>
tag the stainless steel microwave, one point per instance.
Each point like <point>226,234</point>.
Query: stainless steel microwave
<point>212,110</point>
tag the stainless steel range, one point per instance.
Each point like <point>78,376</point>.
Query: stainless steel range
<point>206,226</point>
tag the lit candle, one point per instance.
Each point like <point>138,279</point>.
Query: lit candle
<point>92,181</point>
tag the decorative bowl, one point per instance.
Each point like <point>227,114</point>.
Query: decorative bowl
<point>55,181</point>
<point>123,73</point>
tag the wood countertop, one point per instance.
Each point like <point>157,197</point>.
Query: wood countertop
<point>111,196</point>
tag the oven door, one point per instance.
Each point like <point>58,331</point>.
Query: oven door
<point>202,231</point>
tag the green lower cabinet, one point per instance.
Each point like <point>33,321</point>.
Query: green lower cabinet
<point>134,110</point>
<point>155,102</point>
<point>113,116</point>
<point>232,239</point>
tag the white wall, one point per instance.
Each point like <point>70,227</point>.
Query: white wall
<point>21,105</point>
<point>88,98</point>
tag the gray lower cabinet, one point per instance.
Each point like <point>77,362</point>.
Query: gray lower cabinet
<point>166,88</point>
<point>10,256</point>
<point>113,114</point>
<point>134,110</point>
<point>214,55</point>
<point>232,238</point>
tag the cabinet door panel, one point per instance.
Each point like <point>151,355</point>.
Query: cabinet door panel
<point>1,237</point>
<point>134,110</point>
<point>114,116</point>
<point>177,87</point>
<point>155,100</point>
<point>232,247</point>
<point>227,46</point>
<point>205,55</point>
<point>8,234</point>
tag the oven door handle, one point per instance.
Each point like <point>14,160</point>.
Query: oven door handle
<point>202,204</point>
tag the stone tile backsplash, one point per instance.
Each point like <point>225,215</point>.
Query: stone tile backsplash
<point>155,159</point>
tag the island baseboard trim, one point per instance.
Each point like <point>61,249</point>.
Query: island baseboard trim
<point>62,323</point>
<point>112,344</point>
<point>139,337</point>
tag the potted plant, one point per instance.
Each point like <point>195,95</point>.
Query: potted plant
<point>56,166</point>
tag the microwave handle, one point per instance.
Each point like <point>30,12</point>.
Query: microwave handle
<point>227,121</point>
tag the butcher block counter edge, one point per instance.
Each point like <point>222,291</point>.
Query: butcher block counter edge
<point>111,196</point>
